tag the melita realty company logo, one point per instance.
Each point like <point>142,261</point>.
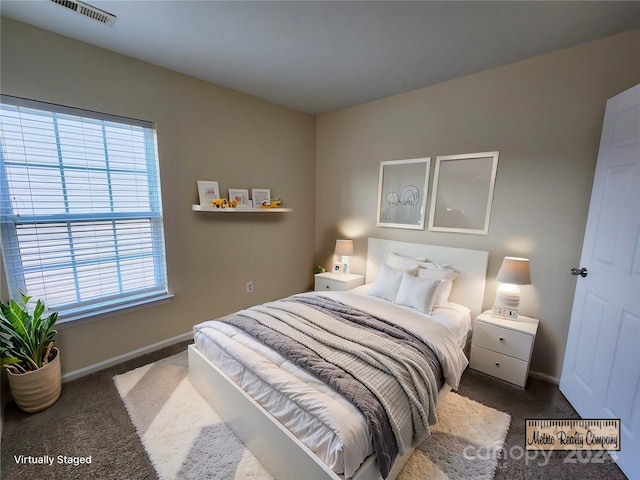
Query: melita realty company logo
<point>584,441</point>
<point>572,434</point>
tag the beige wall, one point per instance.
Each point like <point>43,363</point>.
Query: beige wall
<point>543,115</point>
<point>204,132</point>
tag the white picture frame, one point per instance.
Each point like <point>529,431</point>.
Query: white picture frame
<point>259,195</point>
<point>402,193</point>
<point>208,190</point>
<point>511,313</point>
<point>462,193</point>
<point>241,196</point>
<point>498,311</point>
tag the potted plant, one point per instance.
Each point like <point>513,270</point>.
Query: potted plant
<point>28,353</point>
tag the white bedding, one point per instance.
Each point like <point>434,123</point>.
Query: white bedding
<point>326,422</point>
<point>455,317</point>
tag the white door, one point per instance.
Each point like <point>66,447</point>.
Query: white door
<point>601,371</point>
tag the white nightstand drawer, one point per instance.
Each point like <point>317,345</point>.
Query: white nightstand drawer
<point>501,366</point>
<point>337,283</point>
<point>502,340</point>
<point>328,284</point>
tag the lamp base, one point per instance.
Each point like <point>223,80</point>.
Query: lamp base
<point>507,302</point>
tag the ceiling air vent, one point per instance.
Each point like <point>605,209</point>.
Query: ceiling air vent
<point>87,10</point>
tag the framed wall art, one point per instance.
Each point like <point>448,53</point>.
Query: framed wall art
<point>207,191</point>
<point>402,193</point>
<point>463,192</point>
<point>241,196</point>
<point>260,195</point>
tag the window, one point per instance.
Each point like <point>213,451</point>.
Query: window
<point>80,208</point>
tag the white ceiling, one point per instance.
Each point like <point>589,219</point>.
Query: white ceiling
<point>318,57</point>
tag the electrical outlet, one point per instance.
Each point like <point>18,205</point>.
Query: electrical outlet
<point>250,286</point>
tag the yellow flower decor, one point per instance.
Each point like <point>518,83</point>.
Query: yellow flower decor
<point>219,203</point>
<point>275,203</point>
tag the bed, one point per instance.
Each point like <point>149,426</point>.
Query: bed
<point>298,426</point>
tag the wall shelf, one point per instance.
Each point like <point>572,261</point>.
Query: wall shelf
<point>205,208</point>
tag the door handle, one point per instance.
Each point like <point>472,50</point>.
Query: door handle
<point>579,271</point>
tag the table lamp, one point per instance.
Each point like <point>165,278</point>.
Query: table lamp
<point>344,248</point>
<point>514,271</point>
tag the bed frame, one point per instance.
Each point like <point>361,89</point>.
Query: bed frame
<point>283,455</point>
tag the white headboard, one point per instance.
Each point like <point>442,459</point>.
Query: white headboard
<point>471,265</point>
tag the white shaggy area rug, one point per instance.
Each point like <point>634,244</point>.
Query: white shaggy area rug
<point>186,439</point>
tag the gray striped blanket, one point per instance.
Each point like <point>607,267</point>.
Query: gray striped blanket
<point>387,372</point>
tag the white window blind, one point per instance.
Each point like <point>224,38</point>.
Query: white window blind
<point>80,207</point>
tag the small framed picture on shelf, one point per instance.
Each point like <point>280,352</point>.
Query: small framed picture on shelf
<point>511,313</point>
<point>240,196</point>
<point>337,267</point>
<point>261,197</point>
<point>208,191</point>
<point>498,311</point>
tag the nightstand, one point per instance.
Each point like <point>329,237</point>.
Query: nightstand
<point>502,348</point>
<point>336,282</point>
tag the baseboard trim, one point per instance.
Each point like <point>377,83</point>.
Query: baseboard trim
<point>81,372</point>
<point>545,377</point>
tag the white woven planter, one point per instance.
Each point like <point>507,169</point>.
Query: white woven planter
<point>39,389</point>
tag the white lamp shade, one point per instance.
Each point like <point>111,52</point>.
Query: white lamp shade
<point>514,270</point>
<point>344,247</point>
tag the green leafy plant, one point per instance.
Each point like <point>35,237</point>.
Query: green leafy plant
<point>26,338</point>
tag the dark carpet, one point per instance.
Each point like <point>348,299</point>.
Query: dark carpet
<point>90,420</point>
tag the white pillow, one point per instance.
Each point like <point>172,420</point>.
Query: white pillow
<point>433,266</point>
<point>401,263</point>
<point>418,293</point>
<point>387,282</point>
<point>446,277</point>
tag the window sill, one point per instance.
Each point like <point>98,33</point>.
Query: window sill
<point>79,319</point>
